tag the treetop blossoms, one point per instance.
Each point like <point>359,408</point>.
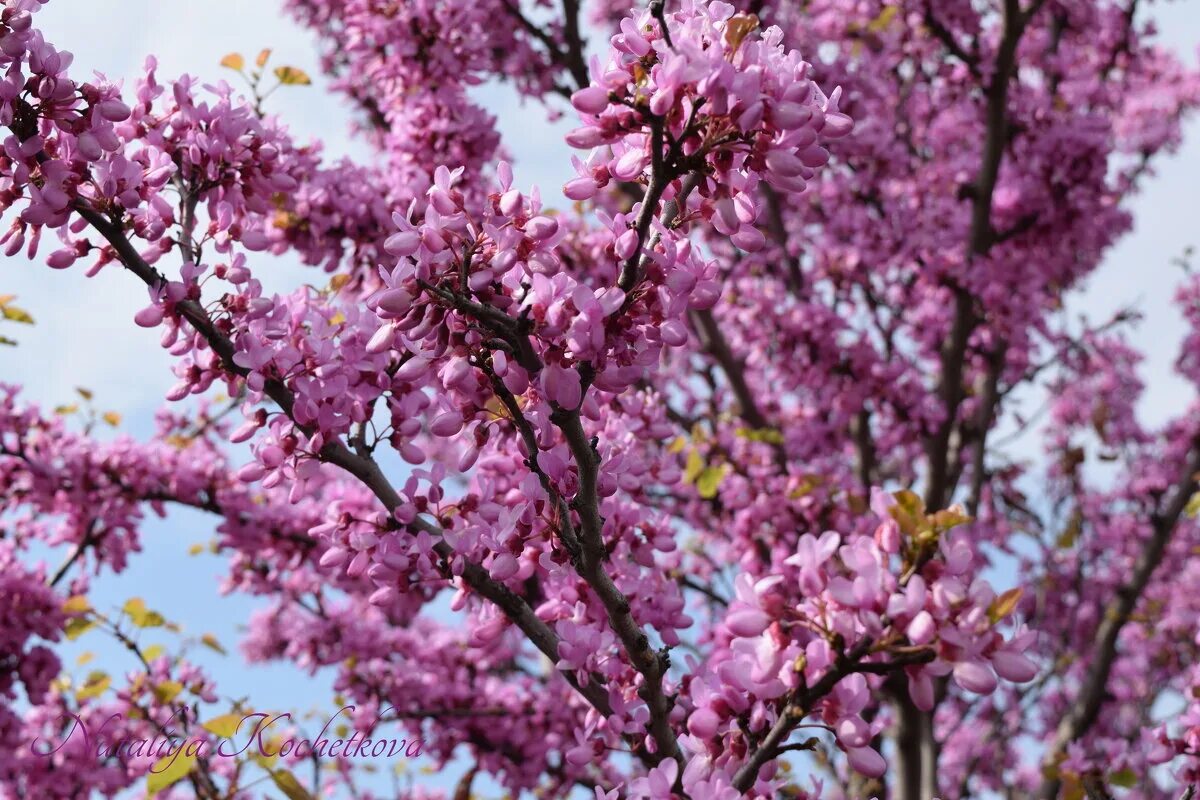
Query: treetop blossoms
<point>696,485</point>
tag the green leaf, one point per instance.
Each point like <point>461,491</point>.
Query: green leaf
<point>169,770</point>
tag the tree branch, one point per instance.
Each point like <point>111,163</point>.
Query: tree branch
<point>1085,708</point>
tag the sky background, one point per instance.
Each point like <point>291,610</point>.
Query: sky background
<point>84,334</point>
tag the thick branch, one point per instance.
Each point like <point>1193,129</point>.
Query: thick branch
<point>1085,708</point>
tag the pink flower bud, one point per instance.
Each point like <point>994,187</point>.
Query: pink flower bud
<point>113,110</point>
<point>674,333</point>
<point>866,761</point>
<point>922,629</point>
<point>446,424</point>
<point>511,202</point>
<point>402,244</point>
<point>975,676</point>
<point>585,138</point>
<point>149,317</point>
<point>629,165</point>
<point>703,723</point>
<point>1014,667</point>
<point>580,189</point>
<point>853,732</point>
<point>626,244</point>
<point>591,100</point>
<point>747,622</point>
<point>382,340</point>
<point>334,557</point>
<point>396,302</point>
<point>541,228</point>
<point>412,369</point>
<point>503,566</point>
<point>383,597</point>
<point>920,689</point>
<point>836,125</point>
<point>244,431</point>
<point>252,472</point>
<point>784,162</point>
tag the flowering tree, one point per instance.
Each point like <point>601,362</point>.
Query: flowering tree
<point>707,459</point>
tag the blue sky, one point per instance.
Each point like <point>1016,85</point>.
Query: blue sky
<point>84,334</point>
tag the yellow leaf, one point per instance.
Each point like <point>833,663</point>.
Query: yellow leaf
<point>289,785</point>
<point>94,686</point>
<point>881,22</point>
<point>1193,506</point>
<point>141,616</point>
<point>709,480</point>
<point>695,465</point>
<point>5,299</point>
<point>112,418</point>
<point>272,747</point>
<point>15,314</point>
<point>167,691</point>
<point>234,61</point>
<point>84,658</point>
<point>337,319</point>
<point>766,435</point>
<point>153,651</point>
<point>738,28</point>
<point>78,626</point>
<point>1125,778</point>
<point>67,409</point>
<point>1005,604</point>
<point>76,605</point>
<point>676,446</point>
<point>196,549</point>
<point>263,55</point>
<point>949,518</point>
<point>86,394</point>
<point>224,726</point>
<point>169,770</point>
<point>338,281</point>
<point>909,512</point>
<point>291,76</point>
<point>211,642</point>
